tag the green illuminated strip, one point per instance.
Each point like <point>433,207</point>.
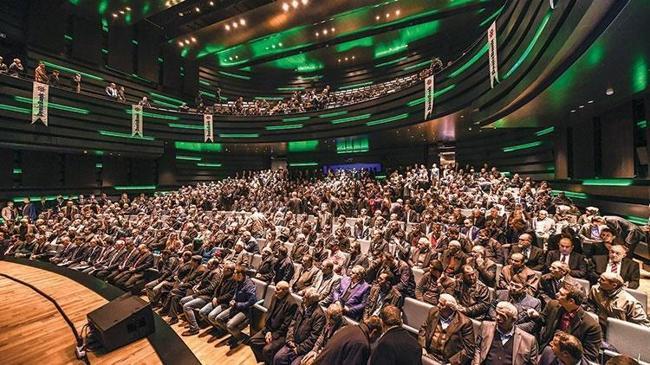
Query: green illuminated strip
<point>15,109</point>
<point>335,114</point>
<point>355,86</point>
<point>203,82</point>
<point>491,17</point>
<point>417,65</point>
<point>234,75</point>
<point>18,171</point>
<point>99,165</point>
<point>173,106</point>
<point>198,147</point>
<point>124,135</point>
<point>186,126</point>
<point>164,97</point>
<point>70,70</point>
<point>355,151</point>
<point>607,182</point>
<point>435,94</point>
<point>471,61</point>
<point>38,198</point>
<point>206,164</point>
<point>281,127</point>
<point>141,78</point>
<point>351,119</point>
<point>135,187</point>
<point>522,146</point>
<point>637,220</point>
<point>391,62</point>
<point>188,158</point>
<point>269,98</point>
<point>296,119</point>
<point>302,164</point>
<point>160,60</point>
<point>532,43</point>
<point>642,124</point>
<point>99,153</point>
<point>239,135</point>
<point>54,106</point>
<point>154,115</point>
<point>387,120</point>
<point>546,131</point>
<point>67,37</point>
<point>104,51</point>
<point>303,146</point>
<point>214,96</point>
<point>296,88</point>
<point>134,42</point>
<point>570,194</point>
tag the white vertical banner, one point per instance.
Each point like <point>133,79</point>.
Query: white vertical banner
<point>208,130</point>
<point>494,61</point>
<point>552,3</point>
<point>136,120</point>
<point>429,86</point>
<point>39,103</point>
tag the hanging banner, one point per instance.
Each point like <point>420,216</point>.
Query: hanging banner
<point>494,62</point>
<point>428,96</point>
<point>39,103</point>
<point>136,120</point>
<point>552,3</point>
<point>208,130</point>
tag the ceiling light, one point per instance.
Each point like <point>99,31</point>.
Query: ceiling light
<point>187,41</point>
<point>352,57</point>
<point>197,9</point>
<point>280,44</point>
<point>230,58</point>
<point>581,106</point>
<point>573,110</point>
<point>304,2</point>
<point>387,15</point>
<point>128,8</point>
<point>609,91</point>
<point>114,15</point>
<point>211,3</point>
<point>235,25</point>
<point>180,14</point>
<point>285,6</point>
<point>180,43</point>
<point>377,17</point>
<point>325,31</point>
<point>193,39</point>
<point>122,12</point>
<point>294,3</point>
<point>317,34</point>
<point>227,27</point>
<point>242,21</point>
<point>590,102</point>
<point>332,29</point>
<point>397,12</point>
<point>346,58</point>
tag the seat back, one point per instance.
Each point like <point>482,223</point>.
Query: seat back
<point>476,326</point>
<point>641,297</point>
<point>255,261</point>
<point>629,338</point>
<point>417,274</point>
<point>498,275</point>
<point>260,288</point>
<point>365,246</point>
<point>414,314</point>
<point>270,290</point>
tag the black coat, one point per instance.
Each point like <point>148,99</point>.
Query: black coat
<point>349,346</point>
<point>629,270</point>
<point>396,347</point>
<point>279,316</point>
<point>577,263</point>
<point>304,330</point>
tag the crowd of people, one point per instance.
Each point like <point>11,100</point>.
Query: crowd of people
<point>342,252</point>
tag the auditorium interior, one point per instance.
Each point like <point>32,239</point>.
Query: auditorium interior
<point>340,182</point>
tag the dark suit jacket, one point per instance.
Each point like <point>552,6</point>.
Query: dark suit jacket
<point>585,328</point>
<point>350,346</point>
<point>535,259</point>
<point>393,297</point>
<point>629,270</point>
<point>524,346</point>
<point>279,316</point>
<point>460,344</point>
<point>577,263</point>
<point>396,347</point>
<point>304,330</point>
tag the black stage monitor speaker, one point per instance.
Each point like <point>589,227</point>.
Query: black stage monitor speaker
<point>121,321</point>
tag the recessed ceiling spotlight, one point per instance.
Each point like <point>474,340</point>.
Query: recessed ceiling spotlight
<point>590,102</point>
<point>242,21</point>
<point>333,29</point>
<point>180,13</point>
<point>128,8</point>
<point>377,17</point>
<point>211,3</point>
<point>317,34</point>
<point>187,41</point>
<point>197,9</point>
<point>352,57</point>
<point>581,106</point>
<point>609,91</point>
<point>304,2</point>
<point>573,110</point>
<point>294,3</point>
<point>114,15</point>
<point>235,25</point>
<point>193,40</point>
<point>397,12</point>
<point>346,58</point>
<point>230,58</point>
<point>280,44</point>
<point>227,27</point>
<point>325,31</point>
<point>285,6</point>
<point>387,15</point>
<point>180,43</point>
<point>122,12</point>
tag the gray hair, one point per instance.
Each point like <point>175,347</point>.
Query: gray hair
<point>508,308</point>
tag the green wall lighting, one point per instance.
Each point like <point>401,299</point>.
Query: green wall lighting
<point>154,115</point>
<point>570,194</point>
<point>15,109</point>
<point>531,45</point>
<point>239,135</point>
<point>470,62</point>
<point>356,86</point>
<point>436,94</point>
<point>491,17</point>
<point>98,153</point>
<point>134,187</point>
<point>303,146</point>
<point>186,126</point>
<point>520,147</point>
<point>352,145</point>
<point>208,164</point>
<point>124,135</point>
<point>391,62</point>
<point>187,158</point>
<point>351,119</point>
<point>293,88</point>
<point>639,74</point>
<point>295,119</point>
<point>166,98</point>
<point>56,106</point>
<point>607,182</point>
<point>387,119</point>
<point>242,77</point>
<point>17,171</point>
<point>335,114</point>
<point>165,104</point>
<point>417,65</point>
<point>637,220</point>
<point>198,146</point>
<point>545,131</point>
<point>204,83</point>
<point>68,37</point>
<point>71,71</point>
<point>302,164</point>
<point>282,127</point>
<point>642,124</point>
<point>99,165</point>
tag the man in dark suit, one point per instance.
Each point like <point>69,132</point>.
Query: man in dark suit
<point>351,344</point>
<point>306,325</point>
<point>616,262</point>
<point>518,268</point>
<point>271,337</point>
<point>396,346</point>
<point>381,295</point>
<point>565,314</point>
<point>136,271</point>
<point>566,254</point>
<point>502,342</point>
<point>550,284</point>
<point>564,349</point>
<point>447,336</point>
<point>533,254</point>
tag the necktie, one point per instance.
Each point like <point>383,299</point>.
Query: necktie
<point>614,267</point>
<point>563,258</point>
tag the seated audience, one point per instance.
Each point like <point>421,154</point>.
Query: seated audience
<point>616,262</point>
<point>351,344</point>
<point>610,300</point>
<point>396,346</point>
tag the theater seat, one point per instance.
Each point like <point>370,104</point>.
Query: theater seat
<point>628,338</point>
<point>417,274</point>
<point>414,313</point>
<point>255,261</point>
<point>365,246</point>
<point>498,275</point>
<point>260,288</point>
<point>260,308</point>
<point>640,296</point>
<point>429,361</point>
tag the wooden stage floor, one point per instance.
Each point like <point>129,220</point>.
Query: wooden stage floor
<point>32,331</point>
